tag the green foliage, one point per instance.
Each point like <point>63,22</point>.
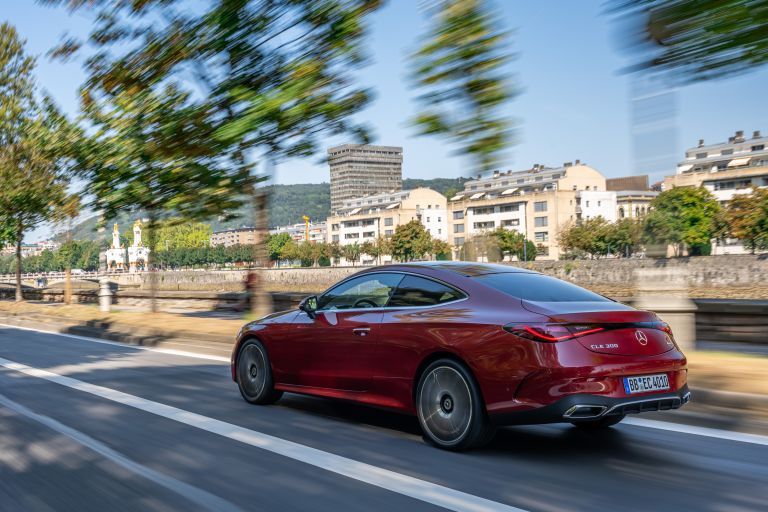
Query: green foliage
<point>513,243</point>
<point>684,216</point>
<point>411,241</point>
<point>700,40</point>
<point>178,234</point>
<point>597,237</point>
<point>747,217</point>
<point>205,257</point>
<point>351,252</point>
<point>459,68</point>
<point>275,244</point>
<point>80,254</point>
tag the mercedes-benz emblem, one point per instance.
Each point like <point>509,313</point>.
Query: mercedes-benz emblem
<point>641,337</point>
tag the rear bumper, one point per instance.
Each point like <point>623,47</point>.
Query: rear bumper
<point>585,407</point>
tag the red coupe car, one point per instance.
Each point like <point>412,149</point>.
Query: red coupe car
<point>466,347</point>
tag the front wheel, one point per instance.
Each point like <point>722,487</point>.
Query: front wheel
<point>254,375</point>
<point>604,422</point>
<point>450,407</point>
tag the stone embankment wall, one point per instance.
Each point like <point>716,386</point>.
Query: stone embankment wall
<point>732,276</point>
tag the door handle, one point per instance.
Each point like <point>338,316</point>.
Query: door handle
<point>361,331</point>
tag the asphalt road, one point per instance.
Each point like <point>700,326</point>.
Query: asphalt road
<point>99,426</point>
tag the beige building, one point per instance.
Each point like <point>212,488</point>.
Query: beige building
<point>537,202</point>
<point>364,219</point>
<point>360,169</point>
<point>239,236</point>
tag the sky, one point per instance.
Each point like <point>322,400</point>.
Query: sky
<point>573,103</point>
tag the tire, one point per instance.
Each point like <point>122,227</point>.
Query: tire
<point>607,421</point>
<point>450,407</point>
<point>254,374</point>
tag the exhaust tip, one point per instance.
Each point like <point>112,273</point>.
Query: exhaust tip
<point>584,411</point>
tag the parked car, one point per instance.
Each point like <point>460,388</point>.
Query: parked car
<point>466,347</point>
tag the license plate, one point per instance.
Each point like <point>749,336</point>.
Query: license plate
<point>646,383</point>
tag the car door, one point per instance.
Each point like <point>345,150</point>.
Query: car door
<point>337,348</point>
<point>422,314</point>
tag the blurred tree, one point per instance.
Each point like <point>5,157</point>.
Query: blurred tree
<point>410,241</point>
<point>236,79</point>
<point>465,89</point>
<point>699,40</point>
<point>684,216</point>
<point>35,148</point>
<point>66,213</point>
<point>747,217</point>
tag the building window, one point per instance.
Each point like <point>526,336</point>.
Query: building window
<point>458,215</point>
<point>485,225</point>
<point>599,203</point>
<point>541,236</point>
<point>369,234</point>
<point>368,222</point>
<point>587,204</point>
<point>388,232</point>
<point>439,219</point>
<point>509,208</point>
<point>458,228</point>
<point>388,221</point>
<point>701,155</point>
<point>520,181</point>
<point>540,206</point>
<point>726,152</point>
<point>349,236</point>
<point>510,222</point>
<point>335,238</point>
<point>483,211</point>
<point>334,227</point>
<point>758,147</point>
<point>458,240</point>
<point>542,250</point>
<point>541,222</point>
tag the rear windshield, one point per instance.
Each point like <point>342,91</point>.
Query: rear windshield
<point>539,288</point>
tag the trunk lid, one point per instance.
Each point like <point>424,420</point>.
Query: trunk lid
<point>625,330</point>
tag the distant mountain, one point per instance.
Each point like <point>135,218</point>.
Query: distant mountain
<point>287,206</point>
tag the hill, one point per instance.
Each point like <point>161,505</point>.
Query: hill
<point>287,206</point>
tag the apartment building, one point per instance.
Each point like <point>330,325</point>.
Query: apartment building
<point>537,202</point>
<point>238,236</point>
<point>725,169</point>
<point>360,169</point>
<point>317,231</point>
<point>366,218</point>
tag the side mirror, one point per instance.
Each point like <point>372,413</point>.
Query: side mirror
<point>309,305</point>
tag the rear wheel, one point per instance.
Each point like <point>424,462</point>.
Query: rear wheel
<point>604,422</point>
<point>254,375</point>
<point>450,408</point>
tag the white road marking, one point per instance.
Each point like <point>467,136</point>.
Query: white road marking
<point>416,488</point>
<point>698,431</point>
<point>127,345</point>
<point>200,497</point>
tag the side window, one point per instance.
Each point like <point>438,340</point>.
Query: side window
<point>418,291</point>
<point>367,291</point>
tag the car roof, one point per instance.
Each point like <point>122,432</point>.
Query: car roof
<point>465,268</point>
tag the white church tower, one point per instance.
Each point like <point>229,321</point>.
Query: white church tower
<point>116,253</point>
<point>138,255</point>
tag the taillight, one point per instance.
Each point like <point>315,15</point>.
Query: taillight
<point>551,332</point>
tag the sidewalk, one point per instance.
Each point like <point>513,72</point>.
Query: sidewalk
<point>724,385</point>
